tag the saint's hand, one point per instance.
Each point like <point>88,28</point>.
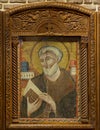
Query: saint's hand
<point>48,99</point>
<point>32,107</point>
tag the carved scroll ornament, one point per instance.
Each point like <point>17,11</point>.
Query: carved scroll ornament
<point>50,21</point>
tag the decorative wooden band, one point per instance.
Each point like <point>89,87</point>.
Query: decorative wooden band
<point>8,76</point>
<point>93,85</point>
<point>14,80</point>
<point>84,82</point>
<point>49,22</point>
<point>1,57</point>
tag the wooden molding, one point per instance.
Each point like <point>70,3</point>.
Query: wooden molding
<point>98,71</point>
<point>1,72</point>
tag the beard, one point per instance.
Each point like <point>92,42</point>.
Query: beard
<point>51,71</point>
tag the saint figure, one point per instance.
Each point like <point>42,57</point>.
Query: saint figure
<point>51,94</point>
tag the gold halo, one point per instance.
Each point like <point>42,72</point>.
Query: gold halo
<point>35,61</point>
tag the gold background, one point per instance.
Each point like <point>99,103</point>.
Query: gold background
<point>29,53</point>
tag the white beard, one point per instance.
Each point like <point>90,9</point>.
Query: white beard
<point>51,71</point>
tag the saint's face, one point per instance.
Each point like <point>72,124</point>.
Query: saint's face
<point>49,63</point>
<point>48,60</point>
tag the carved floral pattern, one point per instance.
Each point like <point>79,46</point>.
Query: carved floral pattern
<point>50,21</point>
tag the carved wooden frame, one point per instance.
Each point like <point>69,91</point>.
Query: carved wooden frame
<point>50,25</point>
<point>1,72</point>
<point>98,71</point>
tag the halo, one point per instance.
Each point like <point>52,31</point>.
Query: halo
<point>35,61</point>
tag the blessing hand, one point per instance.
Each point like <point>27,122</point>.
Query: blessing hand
<point>48,99</point>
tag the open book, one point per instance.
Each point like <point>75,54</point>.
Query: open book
<point>31,91</point>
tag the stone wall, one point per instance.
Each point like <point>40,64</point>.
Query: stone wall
<point>90,4</point>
